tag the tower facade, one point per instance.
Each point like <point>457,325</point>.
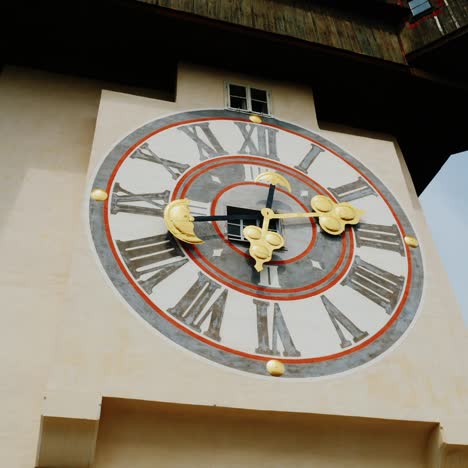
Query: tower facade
<point>129,345</point>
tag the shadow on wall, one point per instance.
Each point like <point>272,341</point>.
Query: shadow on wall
<point>47,126</point>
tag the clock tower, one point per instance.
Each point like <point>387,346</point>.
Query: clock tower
<point>339,325</point>
<point>213,251</point>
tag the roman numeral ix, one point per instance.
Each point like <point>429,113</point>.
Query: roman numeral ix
<point>151,259</point>
<point>124,201</point>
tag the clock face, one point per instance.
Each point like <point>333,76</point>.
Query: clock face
<point>323,305</point>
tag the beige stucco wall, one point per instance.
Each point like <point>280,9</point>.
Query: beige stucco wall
<point>173,435</point>
<point>71,340</point>
<point>46,128</point>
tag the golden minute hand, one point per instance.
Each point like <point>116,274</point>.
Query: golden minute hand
<point>333,217</point>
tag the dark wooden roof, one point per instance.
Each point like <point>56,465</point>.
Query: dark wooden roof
<point>140,44</point>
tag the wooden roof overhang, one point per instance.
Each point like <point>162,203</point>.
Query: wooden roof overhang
<point>140,44</point>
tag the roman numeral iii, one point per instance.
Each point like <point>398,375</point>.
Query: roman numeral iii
<point>379,237</point>
<point>380,286</point>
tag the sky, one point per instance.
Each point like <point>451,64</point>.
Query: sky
<point>445,205</point>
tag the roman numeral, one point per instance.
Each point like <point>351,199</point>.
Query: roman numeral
<point>146,259</point>
<point>259,140</point>
<point>269,276</point>
<point>208,148</point>
<point>309,158</point>
<point>191,307</point>
<point>380,286</point>
<point>174,168</point>
<point>348,192</point>
<point>379,237</point>
<point>339,321</point>
<point>280,330</point>
<point>123,201</point>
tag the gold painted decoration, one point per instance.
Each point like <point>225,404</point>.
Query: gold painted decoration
<point>99,195</point>
<point>332,216</point>
<point>411,241</point>
<point>273,178</point>
<point>255,119</point>
<point>275,368</point>
<point>179,221</point>
<point>262,241</point>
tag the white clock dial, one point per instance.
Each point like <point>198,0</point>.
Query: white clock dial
<point>323,305</point>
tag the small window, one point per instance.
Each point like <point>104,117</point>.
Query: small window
<point>235,228</point>
<point>419,7</point>
<point>247,99</point>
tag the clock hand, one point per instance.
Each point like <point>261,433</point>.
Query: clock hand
<point>271,194</point>
<point>333,217</point>
<point>262,241</point>
<point>230,217</point>
<point>180,222</point>
<point>274,179</point>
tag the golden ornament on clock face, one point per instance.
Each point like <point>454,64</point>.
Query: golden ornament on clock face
<point>249,242</point>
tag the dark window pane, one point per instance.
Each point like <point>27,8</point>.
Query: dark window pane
<point>238,91</point>
<point>238,103</point>
<point>258,106</point>
<point>258,94</point>
<point>235,228</point>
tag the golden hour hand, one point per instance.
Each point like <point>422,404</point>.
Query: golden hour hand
<point>180,222</point>
<point>262,241</point>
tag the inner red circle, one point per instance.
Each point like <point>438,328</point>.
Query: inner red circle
<point>255,290</point>
<point>307,249</point>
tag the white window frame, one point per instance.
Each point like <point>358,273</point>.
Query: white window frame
<point>249,110</point>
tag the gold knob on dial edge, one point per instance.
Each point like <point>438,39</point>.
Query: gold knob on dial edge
<point>411,241</point>
<point>99,194</point>
<point>275,368</point>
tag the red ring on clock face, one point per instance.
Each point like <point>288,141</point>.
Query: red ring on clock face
<point>244,252</point>
<point>404,226</point>
<point>198,254</point>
